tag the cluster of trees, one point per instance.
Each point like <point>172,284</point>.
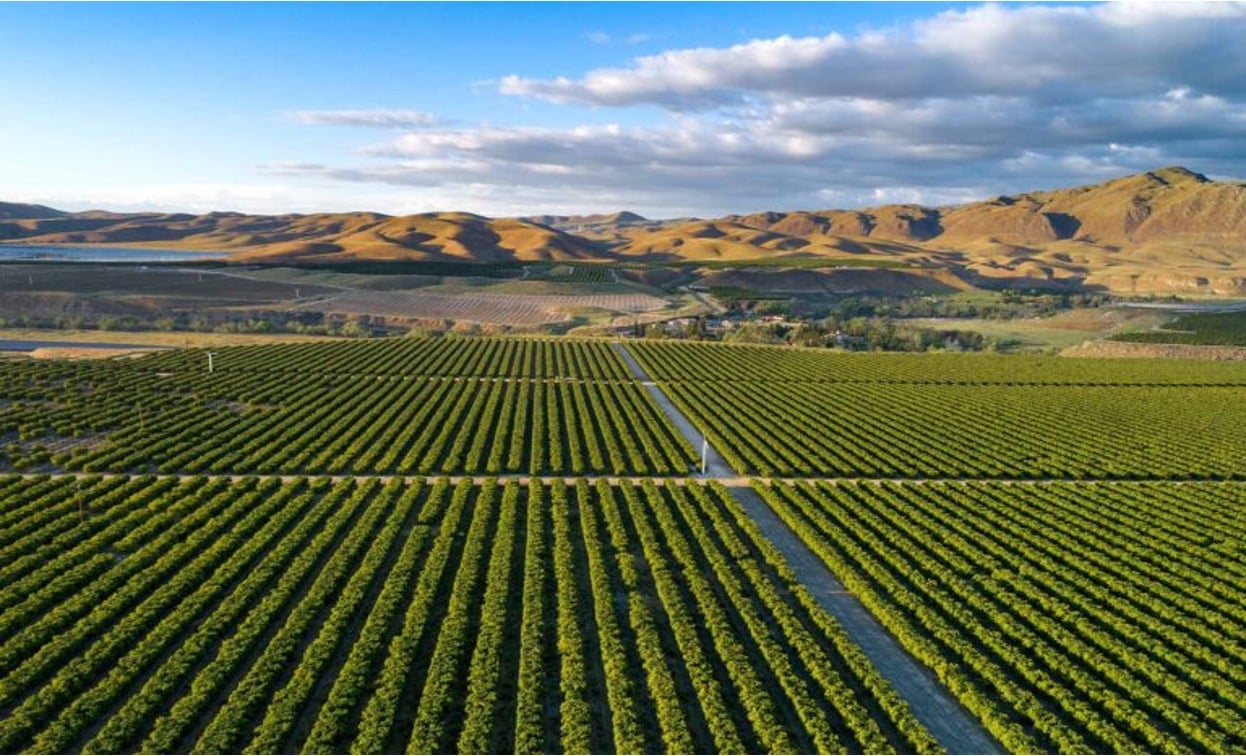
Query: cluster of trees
<point>860,334</point>
<point>1009,304</point>
<point>868,323</point>
<point>211,321</point>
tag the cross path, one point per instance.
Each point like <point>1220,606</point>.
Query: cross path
<point>955,729</point>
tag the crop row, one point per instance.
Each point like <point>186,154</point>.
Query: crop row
<point>691,361</point>
<point>1068,617</point>
<point>454,357</point>
<point>248,422</point>
<point>262,615</point>
<point>989,431</point>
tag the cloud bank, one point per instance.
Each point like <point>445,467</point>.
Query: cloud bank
<point>961,105</point>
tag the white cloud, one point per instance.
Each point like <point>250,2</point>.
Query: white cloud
<point>1041,51</point>
<point>374,118</point>
<point>994,99</point>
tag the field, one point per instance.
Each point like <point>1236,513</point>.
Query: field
<point>350,407</point>
<point>468,544</point>
<point>693,362</point>
<point>1203,329</point>
<point>1106,618</point>
<point>381,618</point>
<point>510,309</point>
<point>533,297</point>
<point>809,414</point>
<point>972,430</point>
<point>152,281</point>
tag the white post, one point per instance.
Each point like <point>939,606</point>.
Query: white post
<point>705,452</point>
<point>209,362</point>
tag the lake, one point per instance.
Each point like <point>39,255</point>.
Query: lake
<point>38,252</point>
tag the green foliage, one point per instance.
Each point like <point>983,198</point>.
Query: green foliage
<point>1204,329</point>
<point>1068,617</point>
<point>405,406</point>
<point>790,412</point>
<point>265,615</point>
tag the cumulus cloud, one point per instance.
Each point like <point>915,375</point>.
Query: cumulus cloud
<point>375,118</point>
<point>961,105</point>
<point>1045,52</point>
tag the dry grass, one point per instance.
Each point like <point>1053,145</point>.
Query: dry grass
<point>153,338</point>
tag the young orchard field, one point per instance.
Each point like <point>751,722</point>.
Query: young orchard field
<point>118,417</point>
<point>706,362</point>
<point>807,413</point>
<point>256,615</point>
<point>446,357</point>
<point>1071,618</point>
<point>973,431</point>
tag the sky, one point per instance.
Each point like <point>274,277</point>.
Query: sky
<point>666,109</point>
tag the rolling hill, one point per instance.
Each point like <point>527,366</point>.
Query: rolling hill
<point>1165,231</point>
<point>319,237</point>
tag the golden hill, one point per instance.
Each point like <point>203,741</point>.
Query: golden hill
<point>317,237</point>
<point>1164,231</point>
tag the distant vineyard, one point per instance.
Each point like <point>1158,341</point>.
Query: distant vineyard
<point>577,273</point>
<point>1105,618</point>
<point>1219,328</point>
<point>976,431</point>
<point>676,361</point>
<point>205,615</point>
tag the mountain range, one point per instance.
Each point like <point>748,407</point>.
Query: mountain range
<point>1170,230</point>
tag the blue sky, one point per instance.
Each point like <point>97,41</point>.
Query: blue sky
<point>665,108</point>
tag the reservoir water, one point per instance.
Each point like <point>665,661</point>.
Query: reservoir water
<point>41,252</point>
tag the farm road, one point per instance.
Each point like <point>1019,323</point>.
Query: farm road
<point>955,729</point>
<point>716,466</point>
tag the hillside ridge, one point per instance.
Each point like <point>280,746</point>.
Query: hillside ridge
<point>1166,230</point>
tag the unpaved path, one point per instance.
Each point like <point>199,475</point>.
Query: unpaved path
<point>716,466</point>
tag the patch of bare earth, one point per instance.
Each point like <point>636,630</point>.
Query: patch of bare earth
<point>1116,349</point>
<point>511,309</point>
